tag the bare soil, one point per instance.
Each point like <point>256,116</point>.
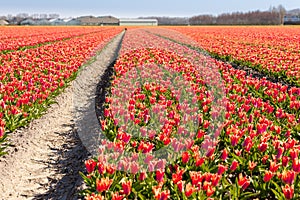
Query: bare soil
<point>45,157</point>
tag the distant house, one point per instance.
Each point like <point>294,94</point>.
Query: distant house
<point>138,22</point>
<point>89,20</point>
<point>108,21</point>
<point>64,22</point>
<point>72,22</point>
<point>291,19</point>
<point>57,22</point>
<point>98,21</point>
<point>3,22</point>
<point>42,22</point>
<point>15,20</point>
<point>28,22</point>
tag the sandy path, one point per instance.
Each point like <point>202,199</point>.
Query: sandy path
<point>48,154</point>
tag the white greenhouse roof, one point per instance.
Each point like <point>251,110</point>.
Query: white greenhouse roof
<point>137,20</point>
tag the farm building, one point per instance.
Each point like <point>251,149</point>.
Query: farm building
<point>3,22</point>
<point>28,22</point>
<point>138,22</point>
<point>57,21</point>
<point>89,20</point>
<point>64,22</point>
<point>42,22</point>
<point>71,22</point>
<point>39,22</point>
<point>291,19</point>
<point>108,21</point>
<point>98,21</point>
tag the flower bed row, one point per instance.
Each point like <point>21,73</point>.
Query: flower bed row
<point>255,152</point>
<point>14,38</point>
<point>287,99</point>
<point>271,50</point>
<point>29,79</point>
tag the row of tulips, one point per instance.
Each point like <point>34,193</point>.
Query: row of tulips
<point>29,79</point>
<point>283,101</point>
<point>286,98</point>
<point>271,50</point>
<point>256,92</point>
<point>253,153</point>
<point>237,82</point>
<point>14,38</point>
<point>146,150</point>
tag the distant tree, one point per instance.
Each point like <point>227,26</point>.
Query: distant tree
<point>238,18</point>
<point>9,16</point>
<point>272,9</point>
<point>43,16</point>
<point>22,15</point>
<point>202,20</point>
<point>53,16</point>
<point>282,12</point>
<point>170,20</point>
<point>35,16</point>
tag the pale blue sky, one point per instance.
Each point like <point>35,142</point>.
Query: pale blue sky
<point>137,8</point>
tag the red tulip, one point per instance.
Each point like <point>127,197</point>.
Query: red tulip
<point>200,134</point>
<point>224,154</point>
<point>185,157</point>
<point>234,165</point>
<point>296,165</point>
<point>261,128</point>
<point>234,139</point>
<point>215,178</point>
<point>243,182</point>
<point>263,146</point>
<point>103,184</point>
<point>126,186</point>
<point>280,151</point>
<point>288,191</point>
<point>90,165</point>
<point>268,176</point>
<point>94,196</point>
<point>273,166</point>
<point>163,195</point>
<point>177,176</point>
<point>251,165</point>
<point>210,191</point>
<point>180,185</point>
<point>294,153</point>
<point>2,132</point>
<point>110,169</point>
<point>265,158</point>
<point>196,178</point>
<point>199,161</point>
<point>288,177</point>
<point>285,160</point>
<point>189,189</point>
<point>143,176</point>
<point>101,167</point>
<point>160,175</point>
<point>221,169</point>
<point>117,196</point>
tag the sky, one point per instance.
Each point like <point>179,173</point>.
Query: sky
<point>139,8</point>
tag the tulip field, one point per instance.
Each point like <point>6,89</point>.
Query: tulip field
<point>36,63</point>
<point>180,120</point>
<point>272,50</point>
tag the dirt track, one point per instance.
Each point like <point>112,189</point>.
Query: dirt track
<point>46,157</point>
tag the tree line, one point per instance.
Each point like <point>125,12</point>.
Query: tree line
<point>274,16</point>
<point>237,18</point>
